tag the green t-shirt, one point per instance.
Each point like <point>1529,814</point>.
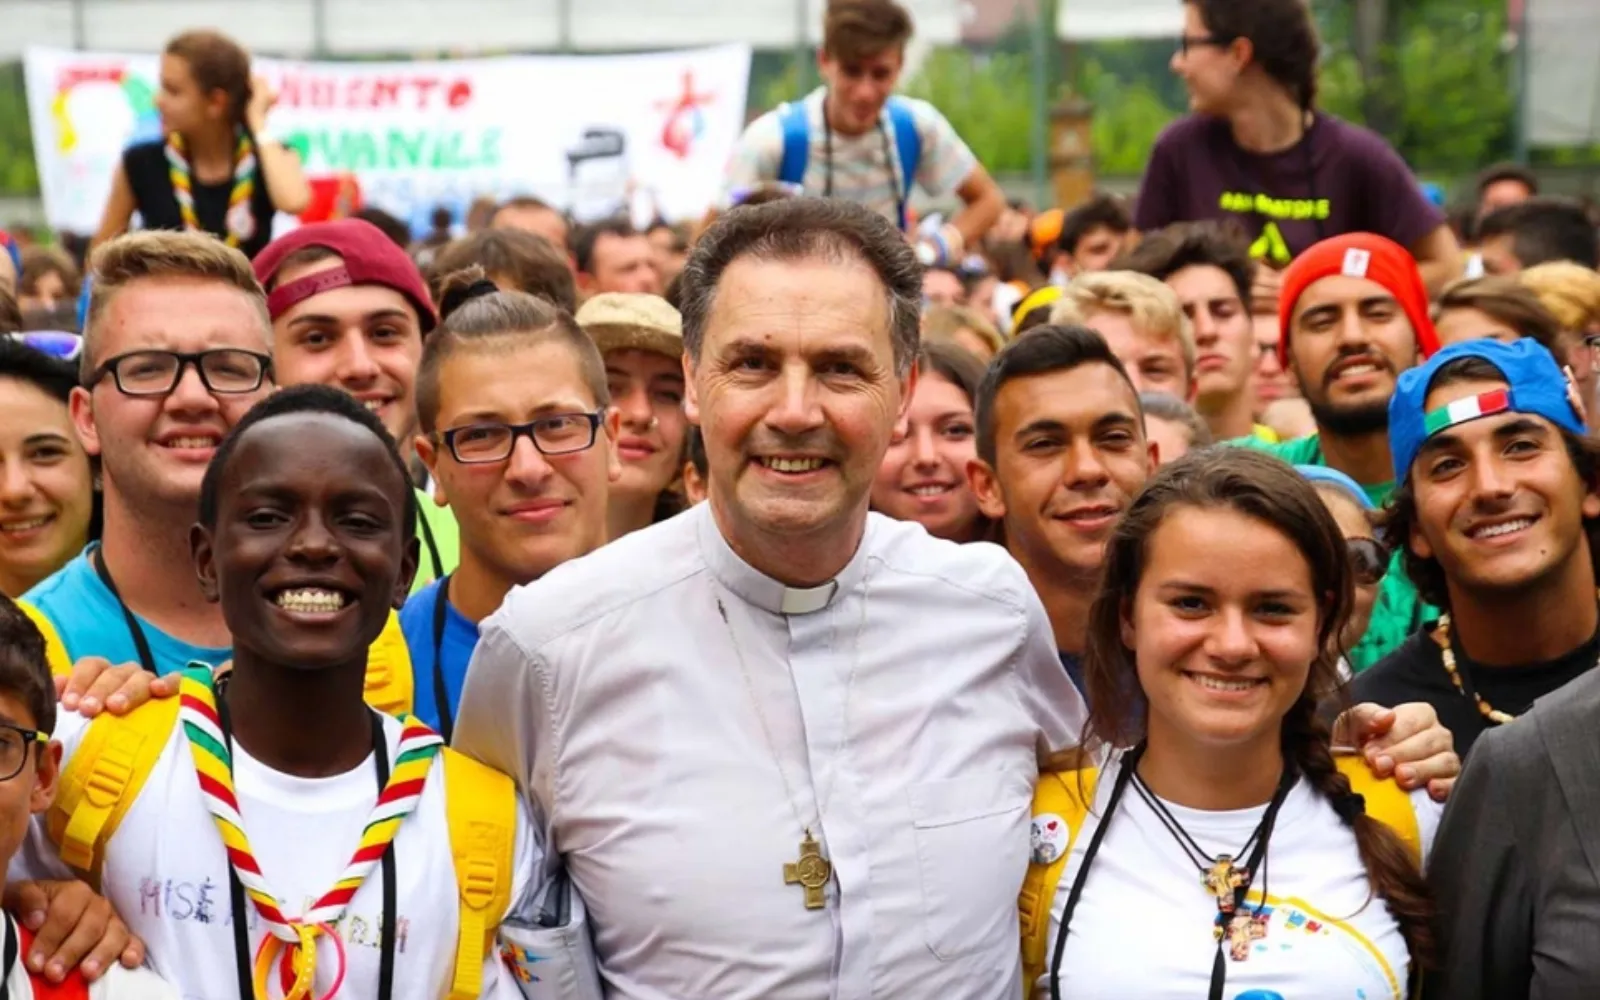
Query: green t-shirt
<point>1399,610</point>
<point>441,546</point>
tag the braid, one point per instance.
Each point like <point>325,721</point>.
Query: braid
<point>1391,871</point>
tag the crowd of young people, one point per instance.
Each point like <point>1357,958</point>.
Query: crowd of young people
<point>610,604</point>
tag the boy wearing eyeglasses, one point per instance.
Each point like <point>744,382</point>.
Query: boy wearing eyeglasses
<point>521,444</point>
<point>29,768</point>
<point>176,348</point>
<point>1497,506</point>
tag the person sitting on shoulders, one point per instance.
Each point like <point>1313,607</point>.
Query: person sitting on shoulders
<point>213,171</point>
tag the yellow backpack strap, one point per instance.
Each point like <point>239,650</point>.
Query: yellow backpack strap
<point>55,651</point>
<point>1059,809</point>
<point>481,804</point>
<point>102,780</point>
<point>1387,802</point>
<point>389,687</point>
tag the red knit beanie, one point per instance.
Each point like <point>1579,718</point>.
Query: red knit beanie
<point>1359,255</point>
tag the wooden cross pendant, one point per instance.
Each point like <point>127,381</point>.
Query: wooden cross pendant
<point>811,872</point>
<point>1243,931</point>
<point>1221,879</point>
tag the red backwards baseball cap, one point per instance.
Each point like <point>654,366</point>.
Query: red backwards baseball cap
<point>1359,255</point>
<point>370,258</point>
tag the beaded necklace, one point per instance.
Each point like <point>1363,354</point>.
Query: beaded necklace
<point>241,223</point>
<point>296,937</point>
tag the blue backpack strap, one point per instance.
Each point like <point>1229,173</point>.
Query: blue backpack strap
<point>796,142</point>
<point>907,146</point>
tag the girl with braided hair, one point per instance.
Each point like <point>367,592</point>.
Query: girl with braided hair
<point>1219,845</point>
<point>211,170</point>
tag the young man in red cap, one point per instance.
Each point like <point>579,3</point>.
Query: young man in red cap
<point>1354,315</point>
<point>349,309</point>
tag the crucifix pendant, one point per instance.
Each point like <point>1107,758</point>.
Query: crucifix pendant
<point>1243,931</point>
<point>1221,879</point>
<point>811,872</point>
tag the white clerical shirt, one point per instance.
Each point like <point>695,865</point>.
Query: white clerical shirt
<point>908,702</point>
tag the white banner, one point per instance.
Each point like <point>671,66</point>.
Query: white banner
<point>590,133</point>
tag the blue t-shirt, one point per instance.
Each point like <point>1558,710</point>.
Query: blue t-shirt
<point>460,638</point>
<point>90,622</point>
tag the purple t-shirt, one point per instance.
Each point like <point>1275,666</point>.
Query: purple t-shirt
<point>1339,178</point>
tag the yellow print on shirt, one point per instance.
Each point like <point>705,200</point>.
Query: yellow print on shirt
<point>1271,245</point>
<point>1281,209</point>
<point>1294,917</point>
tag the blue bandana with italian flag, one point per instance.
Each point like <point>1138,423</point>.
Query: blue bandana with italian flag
<point>1462,410</point>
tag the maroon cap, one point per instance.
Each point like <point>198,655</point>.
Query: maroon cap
<point>370,258</point>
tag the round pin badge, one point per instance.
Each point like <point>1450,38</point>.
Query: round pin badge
<point>1047,838</point>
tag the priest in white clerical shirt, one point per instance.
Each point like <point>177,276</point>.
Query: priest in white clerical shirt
<point>785,748</point>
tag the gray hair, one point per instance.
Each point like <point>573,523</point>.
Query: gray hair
<point>797,228</point>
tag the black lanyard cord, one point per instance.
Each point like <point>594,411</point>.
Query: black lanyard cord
<point>900,185</point>
<point>387,931</point>
<point>1129,762</point>
<point>429,542</point>
<point>13,948</point>
<point>441,696</point>
<point>147,659</point>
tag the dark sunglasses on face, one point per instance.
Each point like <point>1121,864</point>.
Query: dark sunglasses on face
<point>1369,560</point>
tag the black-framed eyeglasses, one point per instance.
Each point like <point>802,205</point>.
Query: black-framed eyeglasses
<point>156,373</point>
<point>556,434</point>
<point>14,744</point>
<point>1369,560</point>
<point>1187,42</point>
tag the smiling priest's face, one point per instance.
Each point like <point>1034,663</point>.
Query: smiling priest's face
<point>796,394</point>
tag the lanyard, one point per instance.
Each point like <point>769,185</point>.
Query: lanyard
<point>241,930</point>
<point>441,697</point>
<point>13,948</point>
<point>142,644</point>
<point>432,545</point>
<point>901,191</point>
<point>1219,964</point>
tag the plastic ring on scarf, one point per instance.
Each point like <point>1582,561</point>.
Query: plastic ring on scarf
<point>286,967</point>
<point>303,956</point>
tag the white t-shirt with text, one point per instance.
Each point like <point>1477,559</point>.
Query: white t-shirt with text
<point>166,873</point>
<point>1143,926</point>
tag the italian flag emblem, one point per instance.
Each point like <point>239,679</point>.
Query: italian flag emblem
<point>1463,410</point>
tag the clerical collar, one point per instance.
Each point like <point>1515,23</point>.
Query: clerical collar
<point>763,591</point>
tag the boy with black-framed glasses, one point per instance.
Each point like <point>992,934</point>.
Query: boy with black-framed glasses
<point>520,440</point>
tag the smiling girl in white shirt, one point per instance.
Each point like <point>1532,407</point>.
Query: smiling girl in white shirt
<point>1222,849</point>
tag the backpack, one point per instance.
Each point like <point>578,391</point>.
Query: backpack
<point>796,125</point>
<point>390,687</point>
<point>102,780</point>
<point>1058,796</point>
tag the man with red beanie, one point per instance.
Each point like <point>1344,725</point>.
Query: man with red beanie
<point>1354,315</point>
<point>349,309</point>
